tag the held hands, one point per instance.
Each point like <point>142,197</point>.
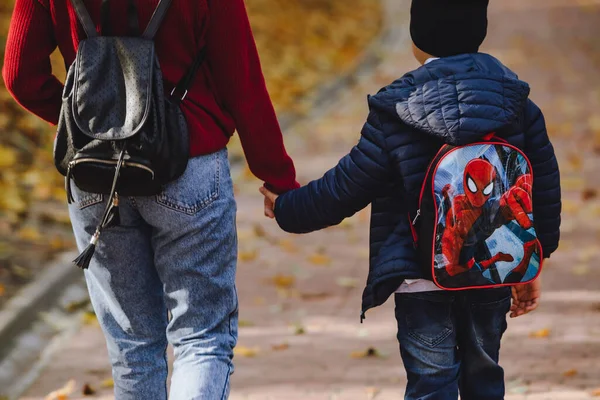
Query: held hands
<point>525,298</point>
<point>270,199</point>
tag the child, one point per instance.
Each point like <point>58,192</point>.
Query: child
<point>449,341</point>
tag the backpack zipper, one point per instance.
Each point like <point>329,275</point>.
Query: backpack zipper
<point>414,221</point>
<point>73,163</point>
<point>125,164</point>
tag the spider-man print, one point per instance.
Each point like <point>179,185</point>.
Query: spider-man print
<point>470,221</point>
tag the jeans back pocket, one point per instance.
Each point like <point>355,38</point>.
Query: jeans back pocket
<point>197,188</point>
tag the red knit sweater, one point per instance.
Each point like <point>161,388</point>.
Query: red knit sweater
<point>229,92</point>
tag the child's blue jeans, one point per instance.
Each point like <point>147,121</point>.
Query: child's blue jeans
<point>450,342</point>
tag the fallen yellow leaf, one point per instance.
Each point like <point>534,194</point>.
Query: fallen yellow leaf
<point>299,330</point>
<point>242,323</point>
<point>108,383</point>
<point>29,234</point>
<point>596,392</point>
<point>319,259</point>
<point>542,333</point>
<point>62,393</point>
<point>8,157</point>
<point>570,373</point>
<point>283,281</point>
<point>89,318</point>
<point>2,290</point>
<point>248,256</point>
<point>288,246</point>
<point>372,392</point>
<point>314,296</point>
<point>347,282</point>
<point>259,231</point>
<point>280,347</point>
<point>243,351</point>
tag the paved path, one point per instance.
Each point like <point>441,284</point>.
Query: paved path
<point>553,44</point>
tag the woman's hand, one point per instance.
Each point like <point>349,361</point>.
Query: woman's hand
<point>270,199</point>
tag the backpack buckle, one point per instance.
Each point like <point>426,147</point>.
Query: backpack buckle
<point>182,97</point>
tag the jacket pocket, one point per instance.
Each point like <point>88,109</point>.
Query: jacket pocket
<point>197,188</point>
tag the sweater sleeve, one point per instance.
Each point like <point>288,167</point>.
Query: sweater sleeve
<point>546,180</point>
<point>235,66</point>
<point>361,176</point>
<point>27,69</point>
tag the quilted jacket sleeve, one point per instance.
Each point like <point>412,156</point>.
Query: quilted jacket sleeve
<point>359,177</point>
<point>546,184</point>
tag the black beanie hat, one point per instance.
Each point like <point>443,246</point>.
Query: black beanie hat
<point>445,28</point>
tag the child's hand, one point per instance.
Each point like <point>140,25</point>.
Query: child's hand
<point>526,298</point>
<point>270,199</point>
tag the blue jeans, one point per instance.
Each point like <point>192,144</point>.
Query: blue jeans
<point>450,342</point>
<point>167,275</point>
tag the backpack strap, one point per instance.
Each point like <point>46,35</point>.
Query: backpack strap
<point>157,18</point>
<point>186,82</point>
<point>84,18</point>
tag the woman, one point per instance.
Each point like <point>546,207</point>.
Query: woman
<point>175,252</point>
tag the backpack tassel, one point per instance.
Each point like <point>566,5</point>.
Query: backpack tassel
<point>110,218</point>
<point>84,259</point>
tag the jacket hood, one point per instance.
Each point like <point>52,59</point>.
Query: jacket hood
<point>458,99</point>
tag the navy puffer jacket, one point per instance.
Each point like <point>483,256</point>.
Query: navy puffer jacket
<point>454,100</point>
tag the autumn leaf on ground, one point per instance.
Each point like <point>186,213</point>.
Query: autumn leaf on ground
<point>30,234</point>
<point>283,281</point>
<point>589,194</point>
<point>108,383</point>
<point>572,183</point>
<point>347,282</point>
<point>575,160</point>
<point>2,290</point>
<point>319,259</point>
<point>542,333</point>
<point>8,157</point>
<point>259,231</point>
<point>314,296</point>
<point>243,351</point>
<point>596,393</point>
<point>62,393</point>
<point>76,305</point>
<point>248,256</point>
<point>299,330</point>
<point>88,390</point>
<point>243,323</point>
<point>280,347</point>
<point>288,246</point>
<point>260,301</point>
<point>570,373</point>
<point>569,206</point>
<point>89,318</point>
<point>372,392</point>
<point>371,352</point>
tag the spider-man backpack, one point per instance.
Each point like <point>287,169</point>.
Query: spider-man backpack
<point>474,226</point>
